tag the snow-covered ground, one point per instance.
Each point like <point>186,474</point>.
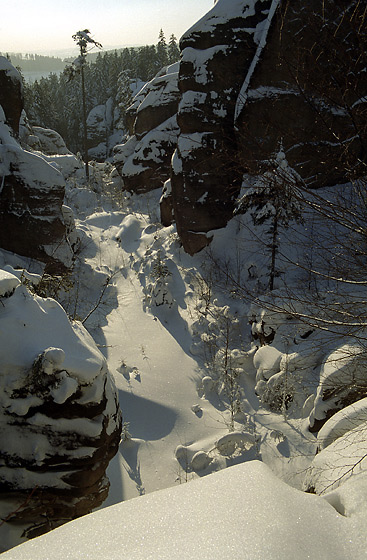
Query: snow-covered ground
<point>178,342</point>
<point>242,512</point>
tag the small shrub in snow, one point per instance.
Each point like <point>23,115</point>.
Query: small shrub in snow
<point>278,393</point>
<point>158,292</point>
<point>125,434</point>
<point>50,286</point>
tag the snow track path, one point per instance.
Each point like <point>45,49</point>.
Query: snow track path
<point>155,377</point>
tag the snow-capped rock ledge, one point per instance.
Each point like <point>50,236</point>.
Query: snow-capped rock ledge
<point>59,422</point>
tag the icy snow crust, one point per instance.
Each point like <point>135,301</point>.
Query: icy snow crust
<point>242,512</point>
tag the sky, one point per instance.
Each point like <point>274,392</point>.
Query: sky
<point>45,26</point>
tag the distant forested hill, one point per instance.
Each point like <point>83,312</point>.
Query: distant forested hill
<point>36,62</point>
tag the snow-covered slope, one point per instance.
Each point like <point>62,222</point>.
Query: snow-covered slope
<point>243,512</point>
<point>176,335</point>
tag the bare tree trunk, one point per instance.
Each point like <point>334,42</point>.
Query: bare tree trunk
<point>85,132</point>
<point>274,248</point>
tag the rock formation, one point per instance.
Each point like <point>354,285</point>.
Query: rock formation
<point>31,190</point>
<point>11,94</point>
<point>216,55</point>
<point>60,421</point>
<point>257,75</point>
<point>144,160</point>
<point>254,75</point>
<point>307,92</point>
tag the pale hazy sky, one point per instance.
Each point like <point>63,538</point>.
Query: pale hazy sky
<point>35,26</point>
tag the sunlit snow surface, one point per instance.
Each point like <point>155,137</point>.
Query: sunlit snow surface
<point>243,512</point>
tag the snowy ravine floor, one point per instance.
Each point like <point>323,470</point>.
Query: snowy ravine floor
<point>155,319</point>
<point>150,352</point>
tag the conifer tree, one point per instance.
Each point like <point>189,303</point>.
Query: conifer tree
<point>162,50</point>
<point>173,51</point>
<point>83,40</point>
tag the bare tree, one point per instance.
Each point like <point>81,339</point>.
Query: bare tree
<point>84,40</point>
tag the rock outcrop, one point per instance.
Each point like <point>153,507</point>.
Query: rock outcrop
<point>307,91</point>
<point>31,190</point>
<point>216,55</point>
<point>11,94</point>
<point>254,76</point>
<point>60,421</point>
<point>144,160</point>
<point>257,75</point>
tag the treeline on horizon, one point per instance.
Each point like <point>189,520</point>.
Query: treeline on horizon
<point>32,62</point>
<point>36,62</point>
<point>55,101</point>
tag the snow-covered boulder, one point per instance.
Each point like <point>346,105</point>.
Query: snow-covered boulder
<point>342,422</point>
<point>59,417</point>
<point>103,133</point>
<point>50,142</point>
<point>31,189</point>
<point>342,383</point>
<point>343,459</point>
<point>144,160</point>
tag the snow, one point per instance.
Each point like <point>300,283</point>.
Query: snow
<point>342,422</point>
<point>162,89</point>
<point>45,322</point>
<point>8,283</point>
<point>199,59</point>
<point>340,461</point>
<point>241,512</point>
<point>172,335</point>
<point>344,366</point>
<point>10,70</point>
<point>221,13</point>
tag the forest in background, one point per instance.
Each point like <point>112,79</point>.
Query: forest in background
<point>35,62</point>
<point>55,101</point>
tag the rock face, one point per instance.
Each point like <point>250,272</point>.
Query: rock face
<point>216,55</point>
<point>11,94</point>
<point>144,160</point>
<point>60,421</point>
<point>307,91</point>
<point>31,192</point>
<point>254,76</point>
<point>257,75</point>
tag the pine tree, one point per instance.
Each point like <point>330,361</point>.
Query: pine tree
<point>83,40</point>
<point>162,50</point>
<point>173,51</point>
<point>273,200</point>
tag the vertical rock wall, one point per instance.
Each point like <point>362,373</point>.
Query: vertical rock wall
<point>308,93</point>
<point>31,190</point>
<point>216,55</point>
